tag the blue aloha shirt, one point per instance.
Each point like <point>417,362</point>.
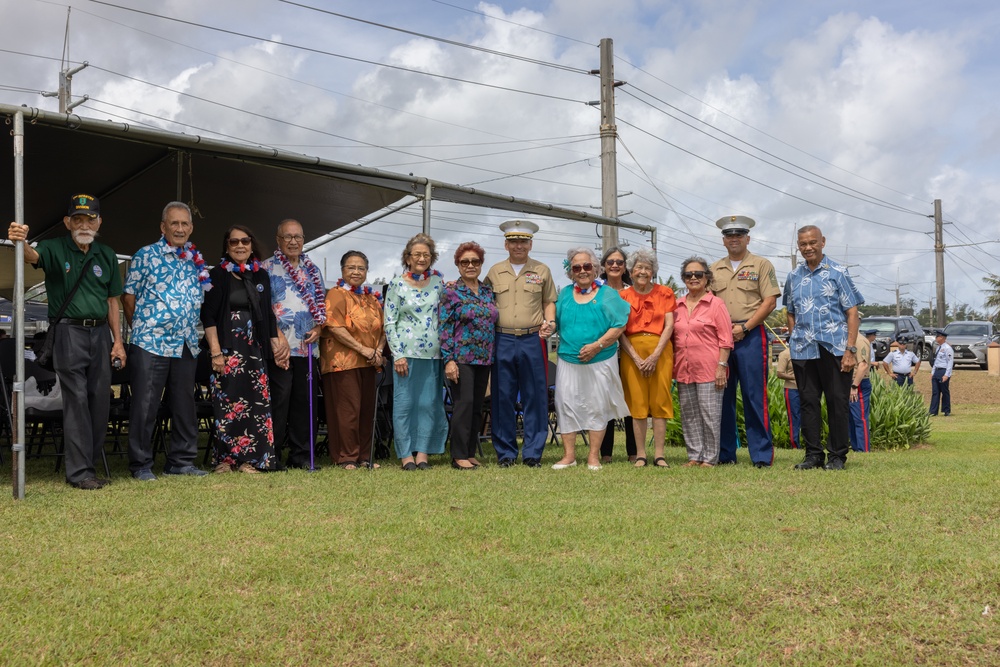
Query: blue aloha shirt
<point>291,312</point>
<point>411,319</point>
<point>819,300</point>
<point>168,300</point>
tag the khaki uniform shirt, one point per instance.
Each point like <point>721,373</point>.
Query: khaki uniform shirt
<point>746,288</point>
<point>521,298</point>
<point>784,365</point>
<point>864,352</point>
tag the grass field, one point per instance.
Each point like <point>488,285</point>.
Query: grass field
<point>892,562</point>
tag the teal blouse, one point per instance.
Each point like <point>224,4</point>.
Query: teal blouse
<point>582,324</point>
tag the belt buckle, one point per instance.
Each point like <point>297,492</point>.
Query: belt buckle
<point>90,322</point>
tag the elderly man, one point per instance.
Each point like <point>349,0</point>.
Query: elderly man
<point>902,364</point>
<point>861,394</point>
<point>747,285</point>
<point>526,298</point>
<point>944,364</point>
<point>822,304</point>
<point>298,297</point>
<point>83,351</point>
<point>164,289</point>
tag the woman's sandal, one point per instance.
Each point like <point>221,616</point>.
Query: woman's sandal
<point>656,462</point>
<point>640,458</point>
<point>410,466</point>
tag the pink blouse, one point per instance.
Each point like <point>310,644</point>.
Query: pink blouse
<point>698,337</point>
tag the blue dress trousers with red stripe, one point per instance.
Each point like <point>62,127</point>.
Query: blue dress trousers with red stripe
<point>748,367</point>
<point>860,429</point>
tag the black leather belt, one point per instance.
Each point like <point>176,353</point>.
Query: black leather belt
<point>518,332</point>
<point>84,323</point>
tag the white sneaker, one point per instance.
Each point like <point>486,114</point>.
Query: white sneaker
<point>563,466</point>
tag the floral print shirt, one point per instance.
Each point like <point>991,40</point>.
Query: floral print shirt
<point>291,312</point>
<point>468,324</point>
<point>819,299</point>
<point>411,319</point>
<point>168,300</point>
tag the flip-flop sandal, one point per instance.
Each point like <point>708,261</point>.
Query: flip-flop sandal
<point>656,462</point>
<point>640,458</point>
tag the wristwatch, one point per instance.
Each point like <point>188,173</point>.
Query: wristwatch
<point>853,350</point>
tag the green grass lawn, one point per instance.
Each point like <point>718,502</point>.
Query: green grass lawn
<point>891,562</point>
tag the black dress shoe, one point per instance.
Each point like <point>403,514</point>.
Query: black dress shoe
<point>834,464</point>
<point>810,464</point>
<point>506,463</point>
<point>410,466</point>
<point>89,484</point>
<point>761,464</point>
<point>423,465</point>
<point>532,463</point>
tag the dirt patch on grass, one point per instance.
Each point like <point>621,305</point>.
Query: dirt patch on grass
<point>970,386</point>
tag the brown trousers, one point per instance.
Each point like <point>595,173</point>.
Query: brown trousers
<point>349,397</point>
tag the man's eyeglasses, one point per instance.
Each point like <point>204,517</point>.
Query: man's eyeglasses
<point>614,262</point>
<point>577,268</point>
<point>688,275</point>
<point>470,262</point>
<point>289,238</point>
<point>233,241</point>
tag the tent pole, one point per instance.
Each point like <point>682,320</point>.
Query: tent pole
<point>17,449</point>
<point>428,192</point>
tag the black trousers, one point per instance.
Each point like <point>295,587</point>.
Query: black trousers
<point>608,444</point>
<point>823,377</point>
<point>82,360</point>
<point>467,398</point>
<point>290,398</point>
<point>149,375</point>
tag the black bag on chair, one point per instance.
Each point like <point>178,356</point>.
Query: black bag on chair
<point>43,357</point>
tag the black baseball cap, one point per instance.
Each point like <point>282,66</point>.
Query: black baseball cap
<point>84,205</point>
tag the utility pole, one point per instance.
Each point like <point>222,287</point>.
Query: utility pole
<point>609,138</point>
<point>65,92</point>
<point>939,261</point>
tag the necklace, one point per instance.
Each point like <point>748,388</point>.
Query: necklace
<point>587,290</point>
<point>360,289</point>
<point>240,268</point>
<point>190,253</point>
<point>312,292</point>
<point>420,277</point>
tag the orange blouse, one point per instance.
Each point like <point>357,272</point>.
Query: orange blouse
<point>361,315</point>
<point>647,311</point>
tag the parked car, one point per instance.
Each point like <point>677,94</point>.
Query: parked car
<point>930,340</point>
<point>969,340</point>
<point>905,330</point>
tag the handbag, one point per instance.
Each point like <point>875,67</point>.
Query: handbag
<point>44,356</point>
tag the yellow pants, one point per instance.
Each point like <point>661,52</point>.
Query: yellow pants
<point>648,396</point>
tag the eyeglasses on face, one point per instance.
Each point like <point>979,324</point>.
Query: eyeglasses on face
<point>577,268</point>
<point>614,262</point>
<point>290,238</point>
<point>355,269</point>
<point>234,241</point>
<point>420,255</point>
<point>470,262</point>
<point>688,275</point>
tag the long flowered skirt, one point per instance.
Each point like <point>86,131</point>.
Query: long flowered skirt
<point>241,401</point>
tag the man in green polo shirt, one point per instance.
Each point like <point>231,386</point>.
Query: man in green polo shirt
<point>83,350</point>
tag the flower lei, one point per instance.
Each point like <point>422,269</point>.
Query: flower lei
<point>252,267</point>
<point>360,289</point>
<point>312,294</point>
<point>419,277</point>
<point>190,252</point>
<point>594,285</point>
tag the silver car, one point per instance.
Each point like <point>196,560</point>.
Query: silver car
<point>969,340</point>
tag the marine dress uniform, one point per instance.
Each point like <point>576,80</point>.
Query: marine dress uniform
<point>743,289</point>
<point>521,364</point>
<point>859,416</point>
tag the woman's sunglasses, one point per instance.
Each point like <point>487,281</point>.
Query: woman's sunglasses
<point>577,268</point>
<point>469,262</point>
<point>688,275</point>
<point>614,262</point>
<point>233,242</point>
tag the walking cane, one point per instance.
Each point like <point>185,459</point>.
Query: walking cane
<point>312,397</point>
<point>378,386</point>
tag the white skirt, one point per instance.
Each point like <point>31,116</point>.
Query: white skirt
<point>588,396</point>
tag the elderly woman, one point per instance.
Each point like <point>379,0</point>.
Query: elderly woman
<point>468,321</point>
<point>350,360</point>
<point>411,326</point>
<point>616,276</point>
<point>647,361</point>
<point>240,330</point>
<point>589,317</point>
<point>703,339</point>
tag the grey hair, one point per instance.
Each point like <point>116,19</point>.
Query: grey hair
<point>573,252</point>
<point>646,256</point>
<point>697,260</point>
<point>176,204</point>
<point>809,228</point>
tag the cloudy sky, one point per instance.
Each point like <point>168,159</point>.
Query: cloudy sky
<point>850,114</point>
